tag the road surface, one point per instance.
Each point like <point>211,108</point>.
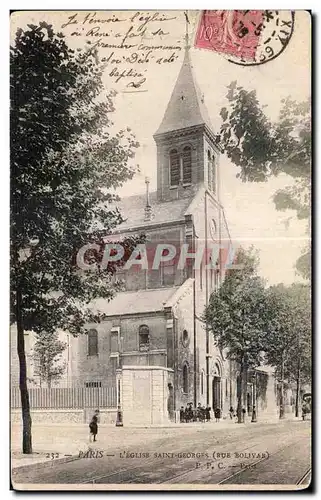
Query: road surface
<point>258,454</point>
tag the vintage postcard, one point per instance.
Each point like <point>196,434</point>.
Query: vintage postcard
<point>160,250</point>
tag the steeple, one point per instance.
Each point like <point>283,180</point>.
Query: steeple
<point>186,106</point>
<point>187,152</point>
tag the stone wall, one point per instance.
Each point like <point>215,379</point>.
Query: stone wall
<point>66,416</point>
<point>184,355</point>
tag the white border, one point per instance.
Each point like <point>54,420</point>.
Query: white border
<point>4,172</point>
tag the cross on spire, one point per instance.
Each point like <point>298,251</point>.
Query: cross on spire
<point>187,46</point>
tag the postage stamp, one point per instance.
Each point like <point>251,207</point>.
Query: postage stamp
<point>246,37</point>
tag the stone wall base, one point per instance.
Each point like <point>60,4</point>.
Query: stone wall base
<point>107,416</point>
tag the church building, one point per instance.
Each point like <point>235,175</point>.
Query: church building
<point>153,343</point>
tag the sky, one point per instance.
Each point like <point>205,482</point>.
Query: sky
<point>249,207</point>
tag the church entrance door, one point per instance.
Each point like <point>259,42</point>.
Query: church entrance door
<point>217,403</point>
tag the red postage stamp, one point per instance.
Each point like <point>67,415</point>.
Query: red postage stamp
<point>245,36</point>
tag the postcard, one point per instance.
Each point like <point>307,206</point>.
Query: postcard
<point>160,250</point>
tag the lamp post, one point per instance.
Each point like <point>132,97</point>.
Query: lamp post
<point>298,380</point>
<point>119,415</point>
<point>281,415</point>
<point>253,419</point>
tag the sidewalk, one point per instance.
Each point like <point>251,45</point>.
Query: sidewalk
<point>52,442</point>
<point>64,442</point>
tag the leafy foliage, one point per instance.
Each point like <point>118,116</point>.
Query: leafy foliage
<point>289,334</point>
<point>262,148</point>
<point>236,311</point>
<point>47,357</point>
<point>65,163</point>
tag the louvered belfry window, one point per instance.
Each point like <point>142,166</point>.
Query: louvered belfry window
<point>174,167</point>
<point>187,165</point>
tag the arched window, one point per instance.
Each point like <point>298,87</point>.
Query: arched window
<point>174,166</point>
<point>144,338</point>
<point>92,343</point>
<point>185,378</point>
<point>187,165</point>
<point>216,370</point>
<point>185,338</point>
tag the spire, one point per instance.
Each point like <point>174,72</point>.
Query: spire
<point>186,106</point>
<point>187,46</point>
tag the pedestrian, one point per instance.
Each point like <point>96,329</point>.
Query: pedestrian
<point>208,413</point>
<point>199,412</point>
<point>243,414</point>
<point>93,426</point>
<point>231,412</point>
<point>217,414</point>
<point>188,413</point>
<point>182,414</point>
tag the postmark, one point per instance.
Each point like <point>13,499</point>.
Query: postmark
<point>245,37</point>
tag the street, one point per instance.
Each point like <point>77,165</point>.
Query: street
<point>266,454</point>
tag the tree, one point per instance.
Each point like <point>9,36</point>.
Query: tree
<point>262,148</point>
<point>236,315</point>
<point>47,354</point>
<point>288,343</point>
<point>66,161</point>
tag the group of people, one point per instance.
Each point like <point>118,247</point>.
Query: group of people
<point>233,413</point>
<point>199,414</point>
<point>203,414</point>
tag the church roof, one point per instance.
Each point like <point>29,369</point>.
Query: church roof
<point>132,209</point>
<point>136,302</point>
<point>186,106</point>
<point>142,301</point>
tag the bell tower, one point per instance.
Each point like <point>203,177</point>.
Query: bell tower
<point>187,154</point>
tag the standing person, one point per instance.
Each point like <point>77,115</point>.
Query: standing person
<point>208,413</point>
<point>231,412</point>
<point>182,414</point>
<point>199,412</point>
<point>187,413</point>
<point>93,426</point>
<point>217,414</point>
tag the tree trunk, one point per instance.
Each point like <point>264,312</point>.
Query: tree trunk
<point>298,384</point>
<point>240,392</point>
<point>245,380</point>
<point>282,389</point>
<point>25,406</point>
